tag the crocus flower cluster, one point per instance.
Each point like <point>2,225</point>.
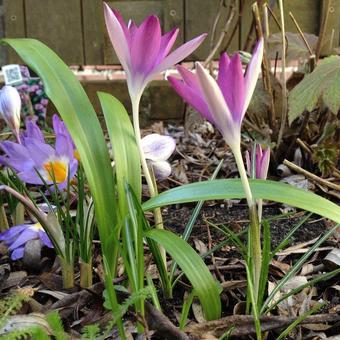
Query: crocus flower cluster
<point>157,150</point>
<point>223,102</point>
<point>10,108</point>
<point>16,238</point>
<point>35,160</point>
<point>142,50</point>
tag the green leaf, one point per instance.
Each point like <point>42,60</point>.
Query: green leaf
<point>232,188</point>
<point>72,103</point>
<point>125,151</point>
<point>197,272</point>
<point>323,83</point>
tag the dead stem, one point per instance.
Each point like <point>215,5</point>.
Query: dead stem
<point>266,71</point>
<point>325,15</point>
<point>222,35</point>
<point>301,33</point>
<point>283,77</point>
<point>313,177</point>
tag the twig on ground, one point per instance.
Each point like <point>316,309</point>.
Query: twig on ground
<point>159,322</point>
<point>311,176</point>
<point>244,324</point>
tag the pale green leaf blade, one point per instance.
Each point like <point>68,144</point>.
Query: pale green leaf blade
<point>322,83</point>
<point>232,188</point>
<point>125,151</point>
<point>206,288</point>
<point>72,103</point>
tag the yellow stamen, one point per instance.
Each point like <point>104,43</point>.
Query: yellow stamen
<point>56,171</point>
<point>37,226</point>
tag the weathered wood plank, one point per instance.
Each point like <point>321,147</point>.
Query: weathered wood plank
<point>93,31</point>
<point>59,25</point>
<point>14,25</point>
<point>159,101</point>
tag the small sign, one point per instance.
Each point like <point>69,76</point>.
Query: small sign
<point>12,74</point>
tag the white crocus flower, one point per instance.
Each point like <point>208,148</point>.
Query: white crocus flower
<point>157,150</point>
<point>10,108</point>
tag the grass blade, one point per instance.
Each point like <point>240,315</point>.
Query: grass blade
<point>232,188</point>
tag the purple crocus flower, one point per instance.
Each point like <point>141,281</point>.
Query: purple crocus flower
<point>10,108</point>
<point>223,102</point>
<point>143,51</point>
<point>262,158</point>
<point>16,238</point>
<point>35,155</point>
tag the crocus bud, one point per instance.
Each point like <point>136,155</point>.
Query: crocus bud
<point>10,107</point>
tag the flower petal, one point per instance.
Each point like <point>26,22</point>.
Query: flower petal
<point>179,54</point>
<point>45,239</point>
<point>33,130</point>
<point>18,253</point>
<point>26,235</point>
<point>145,44</point>
<point>167,41</point>
<point>39,152</point>
<point>264,166</point>
<point>231,83</point>
<point>192,95</point>
<point>10,107</point>
<point>11,234</point>
<point>161,169</point>
<point>252,73</point>
<point>223,119</point>
<point>118,37</point>
<point>157,147</point>
<point>18,156</point>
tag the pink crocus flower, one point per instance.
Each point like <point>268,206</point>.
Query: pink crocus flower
<point>142,50</point>
<point>261,162</point>
<point>223,102</point>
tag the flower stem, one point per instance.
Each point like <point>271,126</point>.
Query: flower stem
<point>85,274</point>
<point>135,99</point>
<point>255,230</point>
<point>135,115</point>
<point>67,270</point>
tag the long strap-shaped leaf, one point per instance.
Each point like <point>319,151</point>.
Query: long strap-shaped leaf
<point>194,268</point>
<point>232,188</point>
<point>71,101</point>
<point>124,147</point>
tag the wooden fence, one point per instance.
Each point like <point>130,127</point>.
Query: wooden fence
<point>75,29</point>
